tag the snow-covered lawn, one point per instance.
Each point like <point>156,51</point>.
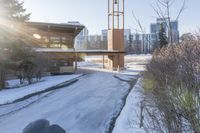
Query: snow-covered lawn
<point>135,63</point>
<point>142,58</point>
<point>133,57</point>
<point>10,95</point>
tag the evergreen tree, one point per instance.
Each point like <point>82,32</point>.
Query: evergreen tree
<point>22,57</point>
<point>13,11</point>
<point>162,36</point>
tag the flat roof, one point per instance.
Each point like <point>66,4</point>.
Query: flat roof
<point>57,27</point>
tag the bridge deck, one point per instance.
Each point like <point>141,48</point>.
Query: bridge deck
<point>88,52</point>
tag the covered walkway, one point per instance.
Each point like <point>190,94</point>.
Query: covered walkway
<point>76,54</point>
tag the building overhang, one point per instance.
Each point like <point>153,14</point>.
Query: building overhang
<point>72,29</point>
<point>87,52</point>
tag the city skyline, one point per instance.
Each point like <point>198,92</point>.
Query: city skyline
<point>93,13</point>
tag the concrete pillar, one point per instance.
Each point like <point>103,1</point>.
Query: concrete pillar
<point>116,43</point>
<point>116,61</point>
<point>75,63</point>
<point>103,62</point>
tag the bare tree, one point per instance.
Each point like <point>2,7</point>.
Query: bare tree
<point>142,31</point>
<point>163,10</point>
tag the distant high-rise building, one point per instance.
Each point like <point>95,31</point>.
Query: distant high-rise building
<point>95,42</point>
<point>127,37</point>
<point>104,38</point>
<point>140,43</point>
<point>82,39</point>
<point>127,34</point>
<point>155,28</point>
<point>104,35</point>
<point>94,38</point>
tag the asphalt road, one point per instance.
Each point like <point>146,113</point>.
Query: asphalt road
<point>87,106</point>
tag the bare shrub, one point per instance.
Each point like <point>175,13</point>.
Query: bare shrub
<point>172,103</point>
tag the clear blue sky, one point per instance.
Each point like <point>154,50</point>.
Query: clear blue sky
<point>93,13</point>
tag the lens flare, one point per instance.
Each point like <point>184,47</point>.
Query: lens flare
<point>37,36</point>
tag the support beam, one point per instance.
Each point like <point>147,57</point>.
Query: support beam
<point>76,66</point>
<point>103,62</point>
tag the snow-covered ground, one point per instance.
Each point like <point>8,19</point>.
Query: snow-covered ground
<point>87,106</point>
<point>134,63</point>
<point>129,119</point>
<point>88,64</point>
<point>133,58</point>
<point>138,57</point>
<point>10,95</point>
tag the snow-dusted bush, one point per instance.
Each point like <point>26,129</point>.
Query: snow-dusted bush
<point>172,102</point>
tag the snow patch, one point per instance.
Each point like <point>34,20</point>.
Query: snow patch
<point>128,121</point>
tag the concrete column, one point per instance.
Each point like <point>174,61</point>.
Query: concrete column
<point>75,64</point>
<point>116,61</point>
<point>103,62</point>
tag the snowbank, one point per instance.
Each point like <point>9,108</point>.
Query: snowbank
<point>10,95</point>
<point>128,121</point>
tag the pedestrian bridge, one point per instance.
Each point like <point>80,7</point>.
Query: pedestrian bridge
<point>71,57</point>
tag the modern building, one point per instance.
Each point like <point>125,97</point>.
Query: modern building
<point>94,38</point>
<point>127,34</point>
<point>155,28</point>
<point>104,38</point>
<point>94,42</point>
<point>54,42</point>
<point>139,43</point>
<point>127,39</point>
<point>104,35</point>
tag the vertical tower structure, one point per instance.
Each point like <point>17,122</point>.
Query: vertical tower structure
<point>116,34</point>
